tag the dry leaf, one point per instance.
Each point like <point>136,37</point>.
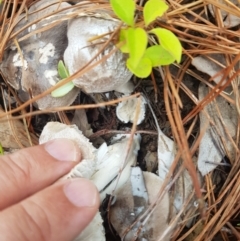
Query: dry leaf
<point>211,65</point>
<point>229,20</point>
<point>216,143</point>
<point>132,201</point>
<point>13,134</point>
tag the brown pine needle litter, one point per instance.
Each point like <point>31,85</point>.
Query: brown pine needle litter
<point>217,212</point>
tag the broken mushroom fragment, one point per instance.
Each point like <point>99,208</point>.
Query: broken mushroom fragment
<point>133,199</point>
<point>86,36</point>
<point>94,231</point>
<point>126,110</point>
<point>33,67</point>
<point>114,163</point>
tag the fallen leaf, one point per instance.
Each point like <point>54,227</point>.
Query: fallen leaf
<point>216,143</point>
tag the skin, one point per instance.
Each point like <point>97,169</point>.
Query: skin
<point>34,205</point>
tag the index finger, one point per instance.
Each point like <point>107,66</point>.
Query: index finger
<point>32,169</point>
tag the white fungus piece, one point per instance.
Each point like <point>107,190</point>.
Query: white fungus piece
<point>94,231</point>
<point>55,130</point>
<point>111,159</point>
<point>51,75</point>
<point>166,153</point>
<point>46,52</point>
<point>126,110</point>
<point>128,208</point>
<point>19,62</point>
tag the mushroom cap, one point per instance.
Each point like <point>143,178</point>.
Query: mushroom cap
<point>55,130</point>
<point>37,71</point>
<point>111,74</point>
<point>121,213</point>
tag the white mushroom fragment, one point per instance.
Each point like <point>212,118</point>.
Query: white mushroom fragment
<point>34,70</point>
<point>126,110</point>
<point>94,231</point>
<point>166,153</point>
<point>111,160</point>
<point>112,73</point>
<point>132,201</point>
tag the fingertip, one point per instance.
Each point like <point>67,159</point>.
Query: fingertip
<point>81,193</point>
<point>63,150</point>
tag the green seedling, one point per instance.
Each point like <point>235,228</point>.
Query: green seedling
<point>1,150</point>
<point>63,73</point>
<point>134,40</point>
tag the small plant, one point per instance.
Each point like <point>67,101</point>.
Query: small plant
<point>63,73</point>
<point>1,150</point>
<point>133,40</point>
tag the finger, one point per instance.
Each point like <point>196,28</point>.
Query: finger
<point>30,170</point>
<point>59,212</point>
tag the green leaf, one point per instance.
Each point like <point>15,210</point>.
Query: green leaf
<point>158,56</point>
<point>142,70</point>
<point>63,90</point>
<point>169,42</point>
<point>123,38</point>
<point>137,40</point>
<point>1,150</point>
<point>62,70</point>
<point>124,9</point>
<point>154,9</point>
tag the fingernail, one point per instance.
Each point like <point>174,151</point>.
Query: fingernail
<point>81,193</point>
<point>63,150</point>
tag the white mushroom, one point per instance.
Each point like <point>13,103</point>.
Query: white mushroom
<point>127,110</point>
<point>111,74</point>
<point>41,52</point>
<point>132,200</point>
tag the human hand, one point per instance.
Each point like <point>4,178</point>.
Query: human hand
<point>33,206</point>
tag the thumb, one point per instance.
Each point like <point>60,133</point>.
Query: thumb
<point>57,213</point>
